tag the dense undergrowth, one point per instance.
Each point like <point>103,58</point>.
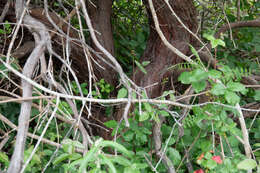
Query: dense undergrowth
<point>207,139</point>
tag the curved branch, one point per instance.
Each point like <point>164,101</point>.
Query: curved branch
<point>39,31</point>
<point>17,157</point>
<point>205,56</point>
<point>240,24</point>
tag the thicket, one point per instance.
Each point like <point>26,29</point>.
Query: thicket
<point>207,120</point>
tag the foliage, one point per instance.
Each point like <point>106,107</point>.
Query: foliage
<point>207,137</point>
<point>96,160</point>
<point>7,28</point>
<point>130,32</point>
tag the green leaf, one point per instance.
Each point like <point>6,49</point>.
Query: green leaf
<point>257,144</point>
<point>194,51</point>
<point>140,137</point>
<point>231,97</point>
<point>111,124</point>
<point>174,155</point>
<point>78,144</point>
<point>215,74</point>
<point>67,145</point>
<point>164,113</point>
<point>117,146</point>
<point>34,112</point>
<point>4,159</point>
<point>140,165</point>
<point>217,42</point>
<point>185,78</point>
<point>257,95</point>
<point>60,158</point>
<point>128,136</point>
<point>144,116</point>
<point>213,41</point>
<point>257,48</point>
<point>121,160</point>
<point>148,107</point>
<point>211,164</point>
<point>172,97</point>
<point>194,76</point>
<point>131,169</point>
<point>107,161</point>
<point>218,89</point>
<point>145,63</point>
<point>35,158</point>
<point>144,130</point>
<point>140,67</point>
<point>122,93</point>
<point>171,141</point>
<point>84,161</point>
<point>2,31</point>
<point>208,37</point>
<point>247,164</point>
<point>199,86</point>
<point>236,86</point>
<point>198,75</point>
<point>75,156</point>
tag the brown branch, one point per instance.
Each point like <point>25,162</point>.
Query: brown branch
<point>238,10</point>
<point>235,25</point>
<point>160,154</point>
<point>25,49</point>
<point>4,141</point>
<point>204,54</point>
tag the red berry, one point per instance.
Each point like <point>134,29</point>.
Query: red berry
<point>201,156</point>
<point>217,159</point>
<point>199,171</point>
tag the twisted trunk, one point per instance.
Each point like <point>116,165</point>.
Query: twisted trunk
<point>156,52</point>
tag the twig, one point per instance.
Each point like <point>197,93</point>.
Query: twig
<point>222,148</point>
<point>151,165</point>
<point>4,141</point>
<point>238,10</point>
<point>247,146</point>
<point>230,148</point>
<point>165,41</point>
<point>43,133</point>
<point>158,145</point>
<point>195,140</point>
<point>119,69</point>
<point>9,123</point>
<point>112,101</point>
<point>20,12</point>
<point>25,99</point>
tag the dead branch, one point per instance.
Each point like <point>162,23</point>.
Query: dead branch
<point>40,33</point>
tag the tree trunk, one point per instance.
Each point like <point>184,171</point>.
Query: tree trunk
<point>100,15</point>
<point>156,52</point>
